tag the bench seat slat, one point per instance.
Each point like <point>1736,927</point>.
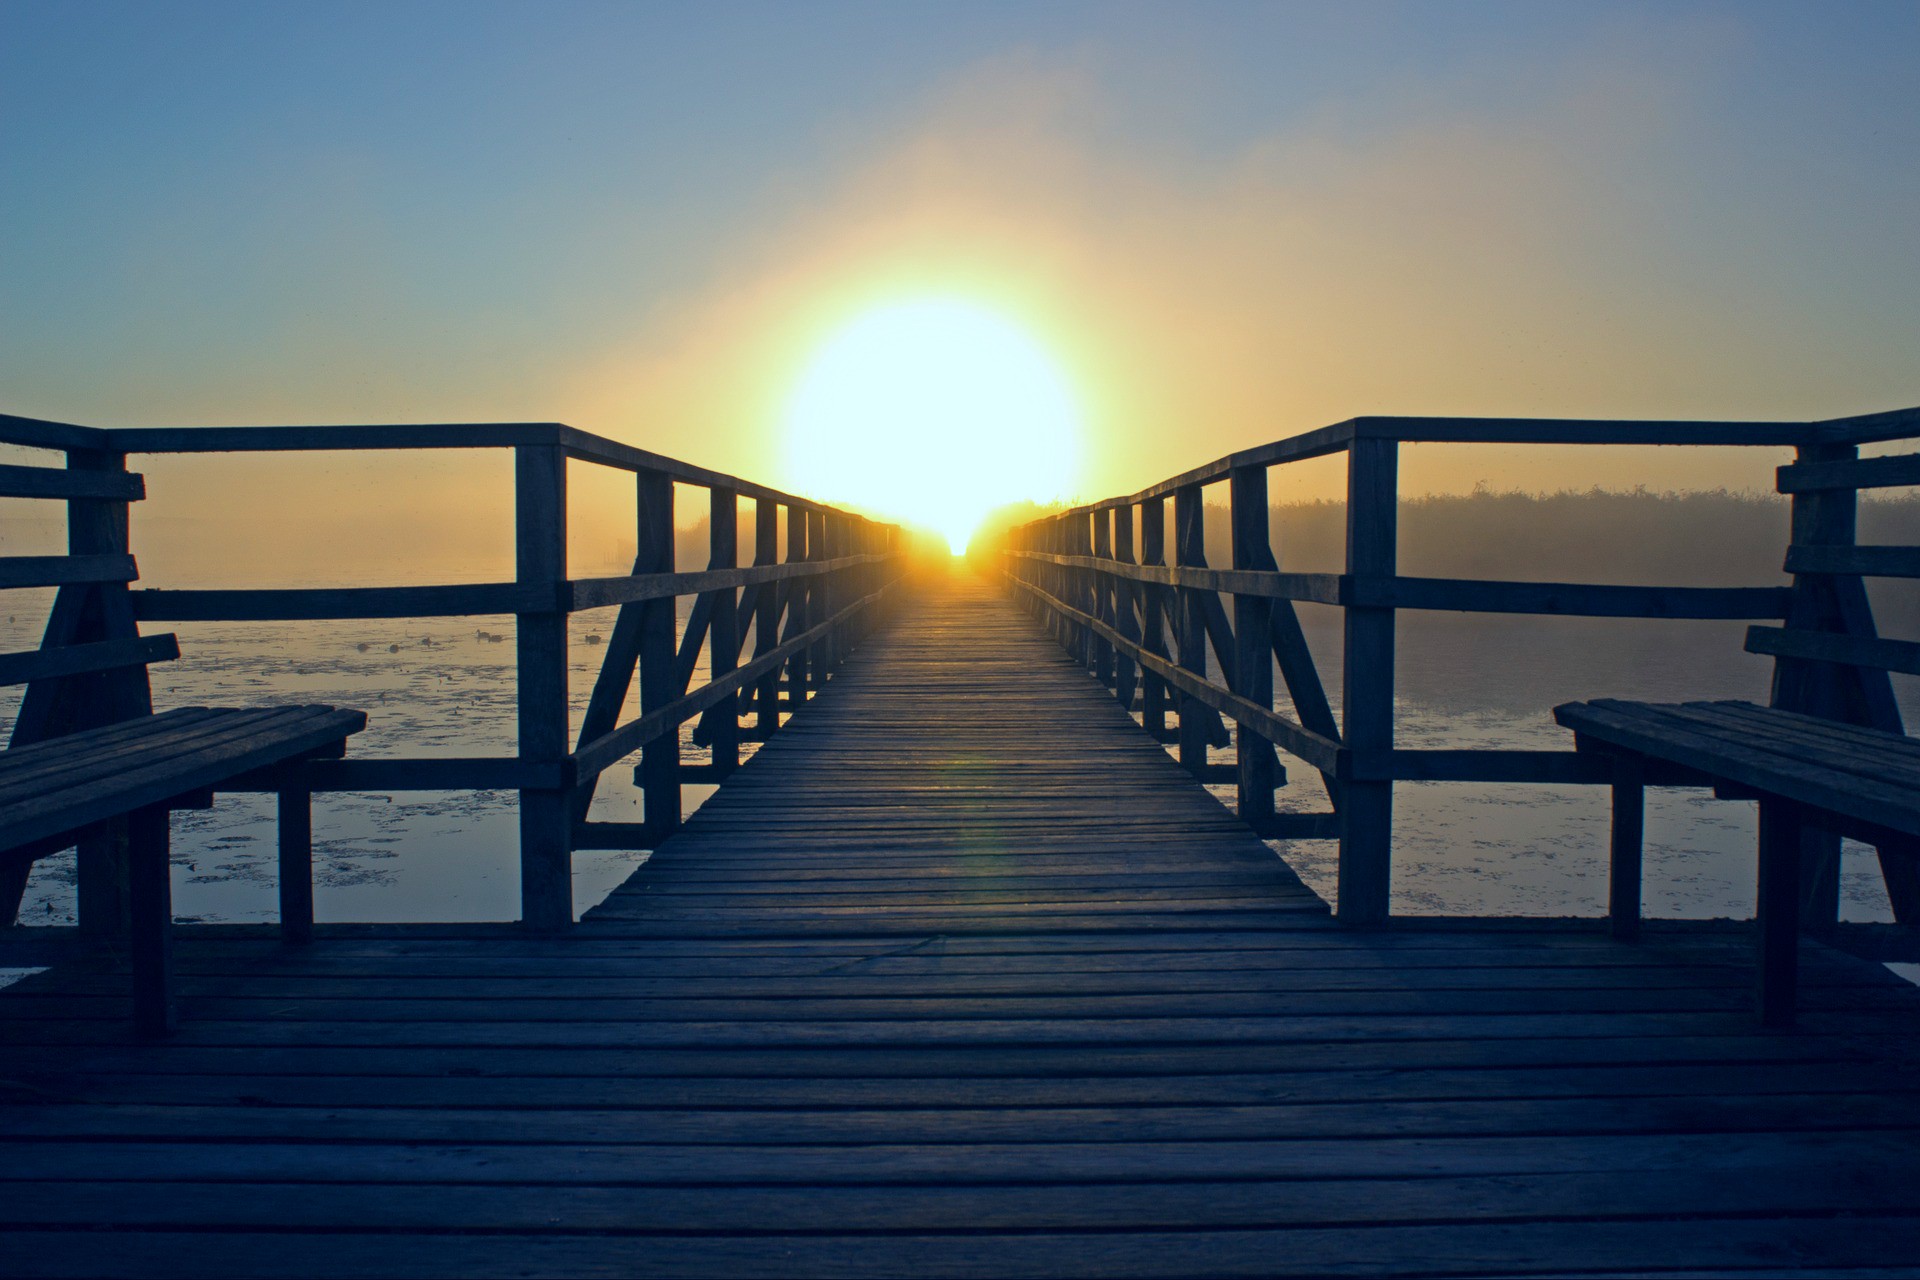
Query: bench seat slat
<point>1894,761</point>
<point>48,747</point>
<point>85,756</point>
<point>164,770</point>
<point>1735,749</point>
<point>1813,729</point>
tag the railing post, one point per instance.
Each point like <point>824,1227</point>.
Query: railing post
<point>1125,593</point>
<point>766,611</point>
<point>797,590</point>
<point>819,600</point>
<point>1153,610</point>
<point>1366,807</point>
<point>1855,695</point>
<point>1189,548</point>
<point>540,557</point>
<point>1252,638</point>
<point>723,631</point>
<point>95,526</point>
<point>659,627</point>
<point>1102,585</point>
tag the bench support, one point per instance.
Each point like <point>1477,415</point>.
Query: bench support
<point>150,894</point>
<point>1778,913</point>
<point>1628,842</point>
<point>296,865</point>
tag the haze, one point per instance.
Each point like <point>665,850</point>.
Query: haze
<point>1224,223</point>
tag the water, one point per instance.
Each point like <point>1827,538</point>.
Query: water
<point>446,688</point>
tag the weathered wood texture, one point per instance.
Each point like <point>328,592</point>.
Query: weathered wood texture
<point>961,975</point>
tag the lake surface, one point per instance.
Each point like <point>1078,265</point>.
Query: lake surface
<point>446,688</point>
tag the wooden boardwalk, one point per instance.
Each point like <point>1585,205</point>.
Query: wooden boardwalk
<point>962,976</point>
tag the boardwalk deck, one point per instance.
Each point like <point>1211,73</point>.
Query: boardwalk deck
<point>962,976</point>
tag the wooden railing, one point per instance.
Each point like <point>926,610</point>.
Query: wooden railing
<point>806,609</point>
<point>1146,626</point>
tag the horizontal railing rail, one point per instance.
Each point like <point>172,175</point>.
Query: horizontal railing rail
<point>1153,626</point>
<point>805,607</point>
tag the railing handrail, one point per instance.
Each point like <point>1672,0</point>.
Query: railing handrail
<point>1895,424</point>
<point>355,438</point>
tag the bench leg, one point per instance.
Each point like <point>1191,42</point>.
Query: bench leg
<point>150,894</point>
<point>1779,910</point>
<point>1628,841</point>
<point>100,868</point>
<point>296,866</point>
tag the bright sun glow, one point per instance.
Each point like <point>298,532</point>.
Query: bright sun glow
<point>936,411</point>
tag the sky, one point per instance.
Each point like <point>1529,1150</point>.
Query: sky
<point>1224,223</point>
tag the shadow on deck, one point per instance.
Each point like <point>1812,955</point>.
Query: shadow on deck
<point>962,975</point>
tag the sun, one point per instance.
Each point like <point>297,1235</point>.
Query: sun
<point>934,411</point>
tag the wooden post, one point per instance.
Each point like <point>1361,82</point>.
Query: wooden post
<point>1778,924</point>
<point>723,632</point>
<point>1628,841</point>
<point>659,626</point>
<point>84,613</point>
<point>796,588</point>
<point>1153,551</point>
<point>1102,585</point>
<point>766,611</point>
<point>1252,639</point>
<point>1189,548</point>
<point>540,557</point>
<point>296,862</point>
<point>1366,808</point>
<point>819,600</point>
<point>150,891</point>
<point>1852,695</point>
<point>1126,620</point>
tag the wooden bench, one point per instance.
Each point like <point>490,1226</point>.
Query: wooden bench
<point>1830,756</point>
<point>88,764</point>
<point>1806,772</point>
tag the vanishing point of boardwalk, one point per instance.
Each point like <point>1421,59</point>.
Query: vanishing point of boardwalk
<point>961,976</point>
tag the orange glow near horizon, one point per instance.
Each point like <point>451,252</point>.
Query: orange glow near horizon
<point>934,411</point>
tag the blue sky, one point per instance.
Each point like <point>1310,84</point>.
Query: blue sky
<point>1238,220</point>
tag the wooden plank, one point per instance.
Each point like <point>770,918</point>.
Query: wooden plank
<point>52,482</point>
<point>1565,599</point>
<point>1319,588</point>
<point>1828,646</point>
<point>38,433</point>
<point>1742,760</point>
<point>598,593</point>
<point>17,572</point>
<point>289,604</point>
<point>1855,473</point>
<point>82,659</point>
<point>1873,562</point>
<point>162,775</point>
